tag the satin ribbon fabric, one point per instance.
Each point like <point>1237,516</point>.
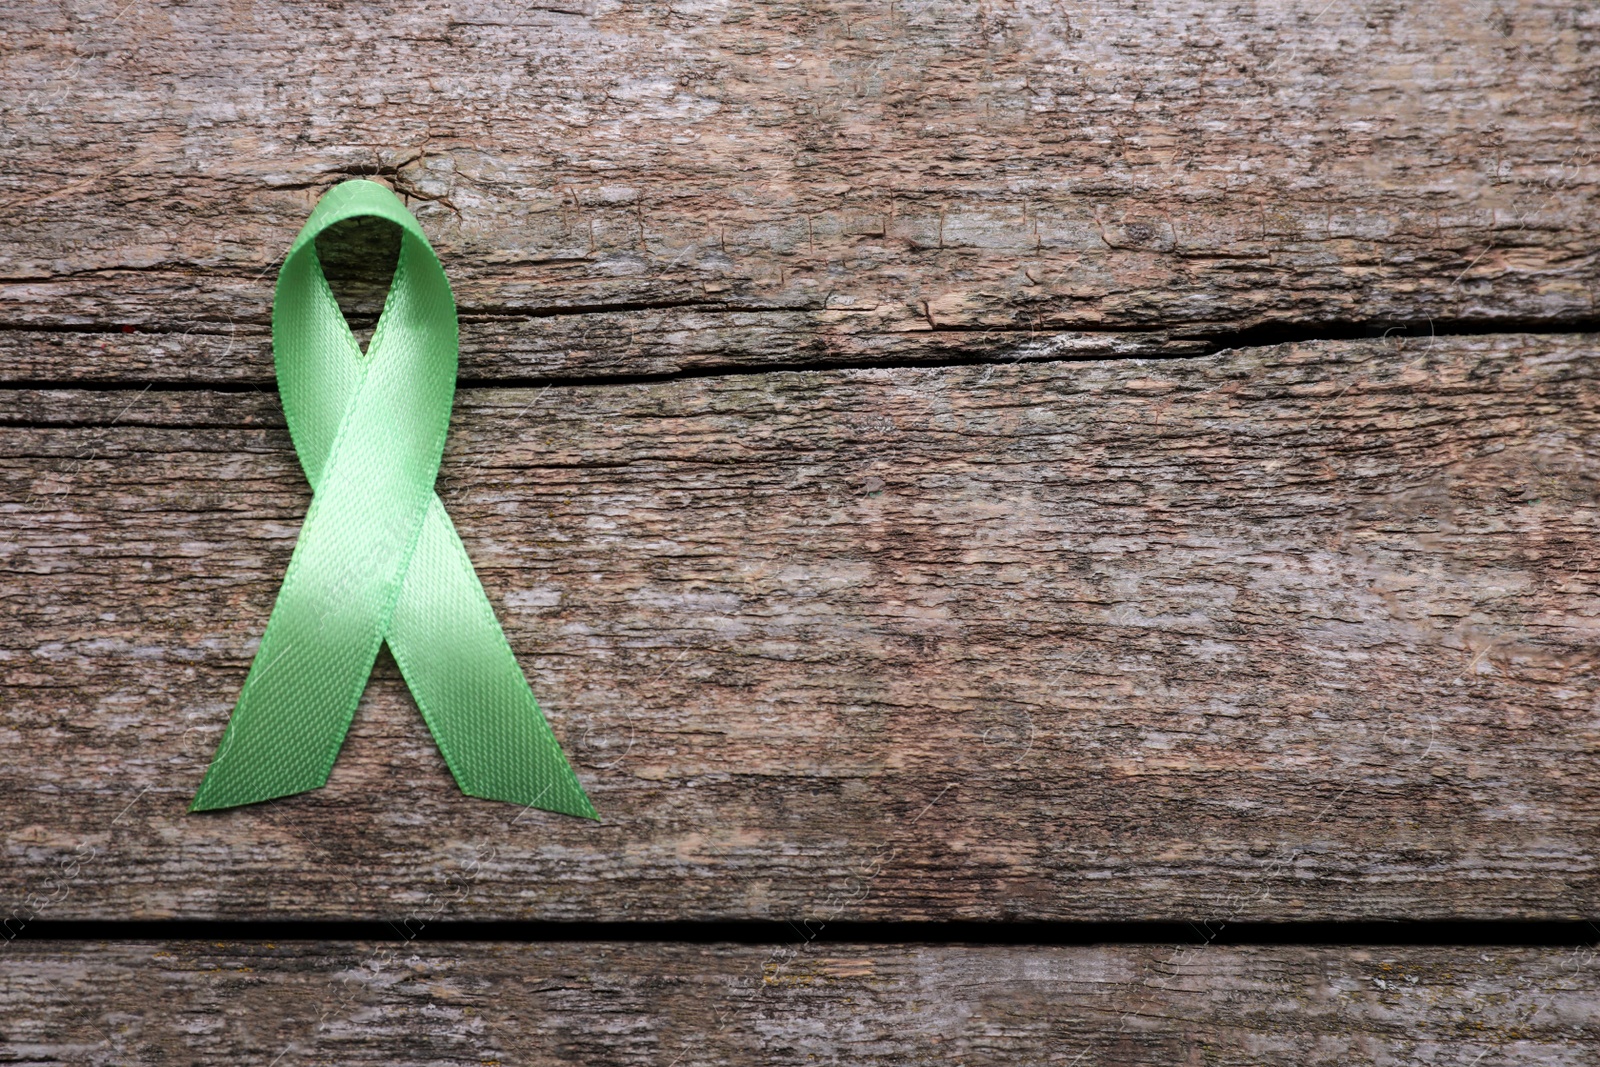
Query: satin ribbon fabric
<point>378,558</point>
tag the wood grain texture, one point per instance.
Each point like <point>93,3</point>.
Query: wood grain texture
<point>1294,632</point>
<point>643,188</point>
<point>399,1004</point>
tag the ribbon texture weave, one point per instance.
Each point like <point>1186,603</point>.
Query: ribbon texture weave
<point>377,558</point>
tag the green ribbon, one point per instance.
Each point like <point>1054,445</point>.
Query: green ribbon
<point>378,559</point>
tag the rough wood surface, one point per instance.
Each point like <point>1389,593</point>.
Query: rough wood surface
<point>1301,631</point>
<point>642,187</point>
<point>398,1004</point>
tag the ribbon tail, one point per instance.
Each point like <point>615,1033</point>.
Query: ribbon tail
<point>465,678</point>
<point>306,679</point>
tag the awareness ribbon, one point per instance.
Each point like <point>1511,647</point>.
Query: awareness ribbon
<point>377,558</point>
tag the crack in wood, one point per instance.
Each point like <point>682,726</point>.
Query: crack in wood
<point>1264,335</point>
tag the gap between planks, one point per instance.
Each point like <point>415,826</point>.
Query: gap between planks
<point>1349,933</point>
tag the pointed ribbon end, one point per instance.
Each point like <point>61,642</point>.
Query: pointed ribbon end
<point>573,801</point>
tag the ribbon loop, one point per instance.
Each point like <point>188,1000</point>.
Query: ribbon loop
<point>377,558</point>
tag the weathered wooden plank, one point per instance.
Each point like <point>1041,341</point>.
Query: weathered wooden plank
<point>1304,631</point>
<point>403,1003</point>
<point>814,179</point>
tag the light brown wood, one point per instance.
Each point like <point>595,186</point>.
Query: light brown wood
<point>639,188</point>
<point>1293,632</point>
<point>862,562</point>
<point>401,1003</point>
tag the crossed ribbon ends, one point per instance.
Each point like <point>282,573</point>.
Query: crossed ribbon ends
<point>377,558</point>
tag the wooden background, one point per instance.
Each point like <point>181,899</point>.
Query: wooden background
<point>933,460</point>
